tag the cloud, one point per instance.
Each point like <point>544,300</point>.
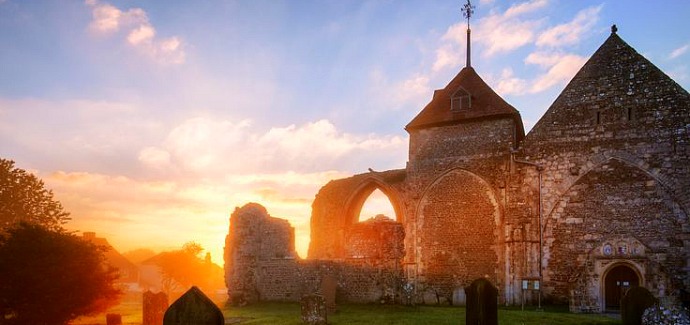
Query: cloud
<point>571,32</point>
<point>410,92</point>
<point>679,51</point>
<point>499,32</point>
<point>203,145</point>
<point>508,84</point>
<point>559,68</point>
<point>140,34</point>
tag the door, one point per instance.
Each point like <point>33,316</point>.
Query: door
<point>617,282</point>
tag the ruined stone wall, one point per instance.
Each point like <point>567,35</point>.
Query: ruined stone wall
<point>336,208</point>
<point>261,265</point>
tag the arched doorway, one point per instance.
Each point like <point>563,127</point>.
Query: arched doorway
<point>617,282</point>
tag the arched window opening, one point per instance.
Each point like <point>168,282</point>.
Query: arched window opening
<point>377,206</point>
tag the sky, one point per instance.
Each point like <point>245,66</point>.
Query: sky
<point>152,121</point>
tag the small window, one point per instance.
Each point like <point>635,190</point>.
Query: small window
<point>629,114</point>
<point>461,100</point>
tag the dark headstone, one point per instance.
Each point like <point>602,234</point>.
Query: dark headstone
<point>154,306</point>
<point>328,287</point>
<point>113,319</point>
<point>314,310</point>
<point>482,306</point>
<point>633,305</point>
<point>193,308</point>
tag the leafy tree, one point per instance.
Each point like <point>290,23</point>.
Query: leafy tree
<point>185,268</point>
<point>23,197</point>
<point>51,277</point>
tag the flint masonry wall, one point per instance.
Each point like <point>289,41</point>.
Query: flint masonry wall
<point>614,147</point>
<point>261,264</point>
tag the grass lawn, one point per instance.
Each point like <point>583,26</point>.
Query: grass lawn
<point>289,313</point>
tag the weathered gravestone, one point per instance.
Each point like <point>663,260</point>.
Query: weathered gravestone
<point>193,308</point>
<point>314,310</point>
<point>633,305</point>
<point>482,307</point>
<point>459,298</point>
<point>113,319</point>
<point>328,288</point>
<point>154,306</point>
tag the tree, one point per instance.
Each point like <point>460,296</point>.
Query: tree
<point>51,277</point>
<point>185,268</point>
<point>23,197</point>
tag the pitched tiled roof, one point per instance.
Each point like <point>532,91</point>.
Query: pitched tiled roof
<point>486,104</point>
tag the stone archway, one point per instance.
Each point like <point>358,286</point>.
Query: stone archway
<point>616,282</point>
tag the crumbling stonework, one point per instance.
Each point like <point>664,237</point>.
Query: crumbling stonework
<point>593,201</point>
<point>261,264</point>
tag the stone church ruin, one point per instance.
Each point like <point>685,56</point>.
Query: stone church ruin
<point>591,202</point>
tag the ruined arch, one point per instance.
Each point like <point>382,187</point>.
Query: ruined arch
<point>359,195</point>
<point>457,232</point>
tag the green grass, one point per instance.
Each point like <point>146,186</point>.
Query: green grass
<point>289,313</point>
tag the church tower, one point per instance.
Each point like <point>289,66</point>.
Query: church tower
<point>460,146</point>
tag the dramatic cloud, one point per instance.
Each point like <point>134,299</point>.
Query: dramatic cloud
<point>679,51</point>
<point>571,32</point>
<point>140,34</point>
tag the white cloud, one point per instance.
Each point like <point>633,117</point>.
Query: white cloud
<point>560,69</point>
<point>207,146</point>
<point>525,7</point>
<point>446,56</point>
<point>498,32</point>
<point>508,84</point>
<point>140,34</point>
<point>411,92</point>
<point>571,32</point>
<point>679,51</point>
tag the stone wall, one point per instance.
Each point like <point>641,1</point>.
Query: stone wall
<point>261,264</point>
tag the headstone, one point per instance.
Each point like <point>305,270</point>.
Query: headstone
<point>328,288</point>
<point>193,308</point>
<point>459,298</point>
<point>482,306</point>
<point>314,310</point>
<point>154,306</point>
<point>633,305</point>
<point>113,319</point>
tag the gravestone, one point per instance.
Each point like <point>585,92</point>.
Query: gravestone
<point>633,305</point>
<point>113,319</point>
<point>314,310</point>
<point>328,288</point>
<point>459,298</point>
<point>193,308</point>
<point>154,306</point>
<point>482,306</point>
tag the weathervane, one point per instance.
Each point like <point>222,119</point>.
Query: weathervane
<point>467,11</point>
